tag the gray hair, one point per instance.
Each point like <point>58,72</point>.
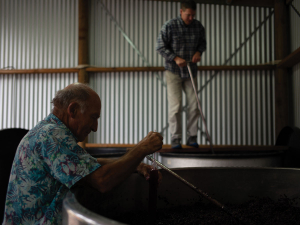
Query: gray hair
<point>78,92</point>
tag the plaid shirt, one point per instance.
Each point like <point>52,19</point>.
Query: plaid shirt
<point>178,39</point>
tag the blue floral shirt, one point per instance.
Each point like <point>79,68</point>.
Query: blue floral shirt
<point>48,162</point>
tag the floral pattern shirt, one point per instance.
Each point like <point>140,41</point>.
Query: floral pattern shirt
<point>48,162</point>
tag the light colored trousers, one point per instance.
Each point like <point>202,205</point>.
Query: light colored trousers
<point>175,85</point>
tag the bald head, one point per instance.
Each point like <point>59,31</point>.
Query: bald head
<point>77,92</point>
<point>78,107</point>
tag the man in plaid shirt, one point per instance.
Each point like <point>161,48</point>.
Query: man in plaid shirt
<point>181,41</point>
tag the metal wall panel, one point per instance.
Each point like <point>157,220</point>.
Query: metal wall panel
<point>295,21</point>
<point>296,95</point>
<point>124,33</point>
<point>238,106</point>
<point>38,34</point>
<point>295,44</point>
<point>133,103</point>
<point>25,98</point>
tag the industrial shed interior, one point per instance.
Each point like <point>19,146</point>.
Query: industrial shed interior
<point>41,52</point>
<point>248,78</point>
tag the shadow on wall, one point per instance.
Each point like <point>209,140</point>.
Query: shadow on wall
<point>9,139</point>
<point>290,136</point>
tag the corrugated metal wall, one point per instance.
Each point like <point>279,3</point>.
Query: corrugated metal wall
<point>25,98</point>
<point>38,34</point>
<point>35,34</point>
<point>295,44</point>
<point>295,22</point>
<point>238,105</point>
<point>235,35</point>
<point>296,95</point>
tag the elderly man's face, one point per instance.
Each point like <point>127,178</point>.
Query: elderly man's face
<point>88,121</point>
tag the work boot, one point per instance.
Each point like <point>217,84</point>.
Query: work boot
<point>175,143</point>
<point>192,141</point>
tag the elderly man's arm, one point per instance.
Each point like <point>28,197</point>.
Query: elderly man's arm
<point>113,172</point>
<point>104,161</point>
<point>142,168</point>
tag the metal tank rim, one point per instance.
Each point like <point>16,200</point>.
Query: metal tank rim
<point>76,214</point>
<point>221,155</point>
<point>280,178</point>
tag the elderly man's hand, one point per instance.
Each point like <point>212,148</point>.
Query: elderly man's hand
<point>145,169</point>
<point>151,143</point>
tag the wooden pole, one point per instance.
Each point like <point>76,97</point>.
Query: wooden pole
<point>291,60</point>
<point>83,76</point>
<point>281,74</point>
<point>83,46</point>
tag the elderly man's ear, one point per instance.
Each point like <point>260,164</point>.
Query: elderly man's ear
<point>73,109</point>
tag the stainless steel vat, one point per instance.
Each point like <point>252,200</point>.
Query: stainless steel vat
<point>205,159</point>
<point>225,184</point>
<point>76,214</point>
<point>230,159</point>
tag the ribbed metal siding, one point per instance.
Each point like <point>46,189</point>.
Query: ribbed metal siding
<point>135,102</point>
<point>238,106</point>
<point>235,35</point>
<point>38,34</point>
<point>25,98</point>
<point>296,95</point>
<point>295,21</point>
<point>295,44</point>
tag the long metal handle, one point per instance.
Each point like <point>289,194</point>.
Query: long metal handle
<point>186,182</point>
<point>202,116</point>
<point>205,195</point>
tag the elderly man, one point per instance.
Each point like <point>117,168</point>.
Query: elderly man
<point>49,161</point>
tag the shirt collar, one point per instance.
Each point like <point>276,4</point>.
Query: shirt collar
<point>51,118</point>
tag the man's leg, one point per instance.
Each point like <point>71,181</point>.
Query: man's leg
<point>193,112</point>
<point>174,90</point>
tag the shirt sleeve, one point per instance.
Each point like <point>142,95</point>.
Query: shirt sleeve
<point>163,43</point>
<point>202,41</point>
<point>65,160</point>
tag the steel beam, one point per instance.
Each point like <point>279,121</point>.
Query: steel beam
<point>250,3</point>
